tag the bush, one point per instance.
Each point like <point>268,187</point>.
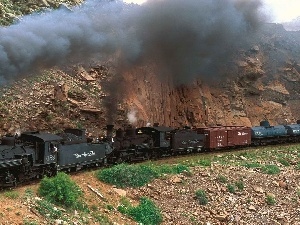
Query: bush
<point>240,185</point>
<point>231,188</point>
<point>284,162</point>
<point>222,179</point>
<point>11,194</point>
<point>298,166</point>
<point>124,175</point>
<point>48,210</point>
<point>201,196</point>
<point>61,190</point>
<point>204,162</point>
<point>145,213</point>
<point>251,165</point>
<point>270,199</point>
<point>270,169</point>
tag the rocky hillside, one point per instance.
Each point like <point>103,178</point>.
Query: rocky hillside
<point>262,83</point>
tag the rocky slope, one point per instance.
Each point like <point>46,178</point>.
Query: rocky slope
<point>256,187</point>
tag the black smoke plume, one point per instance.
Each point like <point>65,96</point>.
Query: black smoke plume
<point>185,38</point>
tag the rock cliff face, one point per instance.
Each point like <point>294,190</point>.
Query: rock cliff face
<point>263,84</point>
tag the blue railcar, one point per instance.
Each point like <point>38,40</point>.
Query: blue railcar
<point>265,133</point>
<point>293,129</point>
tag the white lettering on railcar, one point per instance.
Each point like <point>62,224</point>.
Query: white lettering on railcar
<point>50,158</point>
<point>242,133</point>
<point>90,153</point>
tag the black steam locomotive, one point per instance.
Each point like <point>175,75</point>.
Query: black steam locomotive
<point>35,154</point>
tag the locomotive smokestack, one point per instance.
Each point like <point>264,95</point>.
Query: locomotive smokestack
<point>109,131</point>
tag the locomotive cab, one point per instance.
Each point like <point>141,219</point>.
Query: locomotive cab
<point>46,146</point>
<point>161,135</point>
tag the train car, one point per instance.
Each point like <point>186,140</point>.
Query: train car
<point>161,138</point>
<point>74,152</point>
<point>128,145</point>
<point>266,134</point>
<point>293,131</point>
<point>186,141</point>
<point>219,137</point>
<point>14,158</point>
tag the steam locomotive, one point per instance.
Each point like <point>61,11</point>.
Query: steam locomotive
<point>33,155</point>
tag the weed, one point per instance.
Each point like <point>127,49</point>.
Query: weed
<point>204,162</point>
<point>251,165</point>
<point>222,179</point>
<point>102,219</point>
<point>30,222</point>
<point>248,155</point>
<point>270,200</point>
<point>48,210</point>
<point>240,185</point>
<point>146,212</point>
<point>110,207</point>
<point>270,169</point>
<point>11,194</point>
<point>298,166</point>
<point>94,208</point>
<point>231,188</point>
<point>61,190</point>
<point>284,162</point>
<point>28,193</point>
<point>201,196</point>
<point>298,192</point>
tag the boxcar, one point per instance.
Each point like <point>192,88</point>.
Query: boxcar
<point>226,136</point>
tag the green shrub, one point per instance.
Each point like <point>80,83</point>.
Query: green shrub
<point>102,219</point>
<point>251,165</point>
<point>298,192</point>
<point>145,213</point>
<point>48,210</point>
<point>201,196</point>
<point>204,162</point>
<point>270,200</point>
<point>30,222</point>
<point>222,179</point>
<point>124,175</point>
<point>231,188</point>
<point>298,166</point>
<point>61,190</point>
<point>270,169</point>
<point>11,194</point>
<point>240,185</point>
<point>284,162</point>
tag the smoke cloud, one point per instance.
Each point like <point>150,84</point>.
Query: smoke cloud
<point>184,38</point>
<point>132,117</point>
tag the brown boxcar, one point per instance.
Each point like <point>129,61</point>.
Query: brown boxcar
<point>226,136</point>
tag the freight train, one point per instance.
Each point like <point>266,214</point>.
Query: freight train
<point>33,155</point>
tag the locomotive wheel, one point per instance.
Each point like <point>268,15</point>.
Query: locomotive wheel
<point>121,158</point>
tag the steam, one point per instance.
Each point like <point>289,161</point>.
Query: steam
<point>185,38</point>
<point>131,116</point>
